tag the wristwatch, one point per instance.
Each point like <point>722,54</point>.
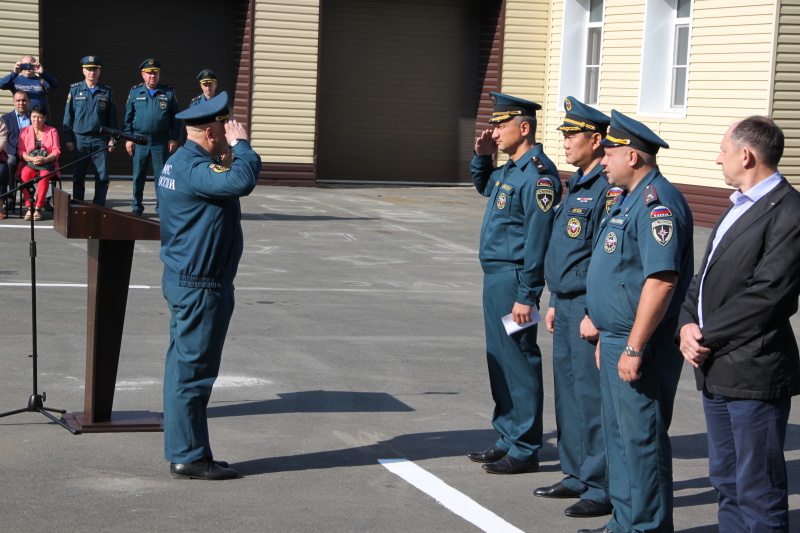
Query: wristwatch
<point>630,352</point>
<point>235,142</point>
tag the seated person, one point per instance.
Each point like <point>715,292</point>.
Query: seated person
<point>4,181</point>
<point>39,147</point>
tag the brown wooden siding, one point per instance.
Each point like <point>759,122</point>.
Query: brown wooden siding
<point>490,60</point>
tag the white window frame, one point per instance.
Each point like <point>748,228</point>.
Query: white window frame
<point>574,51</point>
<point>656,86</point>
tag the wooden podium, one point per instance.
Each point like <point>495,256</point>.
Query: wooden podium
<point>111,236</point>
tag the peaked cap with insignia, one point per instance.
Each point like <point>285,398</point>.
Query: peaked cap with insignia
<point>625,131</point>
<point>507,107</point>
<point>581,117</point>
<point>214,110</point>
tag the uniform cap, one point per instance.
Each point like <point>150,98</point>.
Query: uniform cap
<point>91,62</point>
<point>581,117</point>
<point>207,75</point>
<point>507,107</point>
<point>625,131</point>
<point>213,110</point>
<point>150,65</point>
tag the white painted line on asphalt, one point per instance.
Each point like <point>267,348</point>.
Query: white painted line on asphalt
<point>68,285</point>
<point>455,501</point>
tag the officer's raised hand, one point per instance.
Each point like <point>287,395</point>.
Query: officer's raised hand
<point>234,130</point>
<point>484,144</point>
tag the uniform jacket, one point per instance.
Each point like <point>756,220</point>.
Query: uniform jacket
<point>576,220</point>
<point>647,232</point>
<point>749,293</point>
<point>86,112</point>
<point>201,230</point>
<point>519,217</point>
<point>152,116</point>
<point>27,142</point>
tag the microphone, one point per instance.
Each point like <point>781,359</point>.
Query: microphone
<point>116,134</point>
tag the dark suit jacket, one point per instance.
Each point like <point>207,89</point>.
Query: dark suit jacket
<point>750,291</point>
<point>13,132</point>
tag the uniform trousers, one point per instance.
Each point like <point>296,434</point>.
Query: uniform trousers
<point>157,152</point>
<point>85,145</point>
<point>636,418</point>
<point>515,371</point>
<point>746,463</point>
<point>581,445</point>
<point>199,321</point>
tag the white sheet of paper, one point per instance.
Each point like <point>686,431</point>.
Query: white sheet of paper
<point>513,327</point>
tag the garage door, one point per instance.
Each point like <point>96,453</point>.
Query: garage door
<point>397,88</point>
<point>184,35</point>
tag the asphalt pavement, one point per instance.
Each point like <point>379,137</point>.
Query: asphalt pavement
<point>357,338</point>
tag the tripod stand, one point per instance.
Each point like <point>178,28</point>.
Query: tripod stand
<point>36,400</point>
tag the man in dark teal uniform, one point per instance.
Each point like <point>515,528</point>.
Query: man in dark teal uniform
<point>150,111</point>
<point>581,447</point>
<point>201,244</point>
<point>514,236</point>
<point>208,84</point>
<point>90,106</point>
<point>640,269</point>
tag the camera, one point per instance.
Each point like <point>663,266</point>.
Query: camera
<point>26,66</point>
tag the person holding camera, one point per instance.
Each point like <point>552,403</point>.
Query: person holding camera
<point>30,76</point>
<point>39,147</point>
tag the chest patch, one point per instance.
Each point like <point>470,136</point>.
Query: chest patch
<point>502,199</point>
<point>574,227</point>
<point>662,231</point>
<point>610,242</point>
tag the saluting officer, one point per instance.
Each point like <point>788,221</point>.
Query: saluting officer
<point>581,447</point>
<point>640,269</point>
<point>208,84</point>
<point>516,230</point>
<point>90,106</point>
<point>150,111</point>
<point>201,244</point>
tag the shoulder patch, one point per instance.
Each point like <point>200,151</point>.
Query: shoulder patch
<point>69,97</point>
<point>544,181</point>
<point>660,211</point>
<point>218,168</point>
<point>650,195</point>
<point>545,198</point>
<point>614,192</point>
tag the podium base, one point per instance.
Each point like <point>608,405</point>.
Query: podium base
<point>121,421</point>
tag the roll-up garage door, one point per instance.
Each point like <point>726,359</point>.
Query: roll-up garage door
<point>397,88</point>
<point>184,35</point>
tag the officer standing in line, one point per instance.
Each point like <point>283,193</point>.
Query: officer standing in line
<point>90,106</point>
<point>640,270</point>
<point>201,244</point>
<point>208,84</point>
<point>581,447</point>
<point>150,111</point>
<point>516,230</point>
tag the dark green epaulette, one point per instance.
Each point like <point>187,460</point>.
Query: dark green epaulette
<point>196,98</point>
<point>540,166</point>
<point>75,84</point>
<point>137,86</point>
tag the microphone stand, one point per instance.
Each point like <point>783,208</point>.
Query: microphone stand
<point>36,400</point>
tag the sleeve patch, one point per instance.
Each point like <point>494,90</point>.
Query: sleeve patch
<point>218,168</point>
<point>544,181</point>
<point>660,211</point>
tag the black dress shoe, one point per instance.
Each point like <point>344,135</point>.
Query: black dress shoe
<point>205,469</point>
<point>489,455</point>
<point>556,491</point>
<point>509,465</point>
<point>603,529</point>
<point>588,509</point>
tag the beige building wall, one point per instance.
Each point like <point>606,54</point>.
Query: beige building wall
<point>285,53</point>
<point>17,39</point>
<point>786,90</point>
<point>729,78</point>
